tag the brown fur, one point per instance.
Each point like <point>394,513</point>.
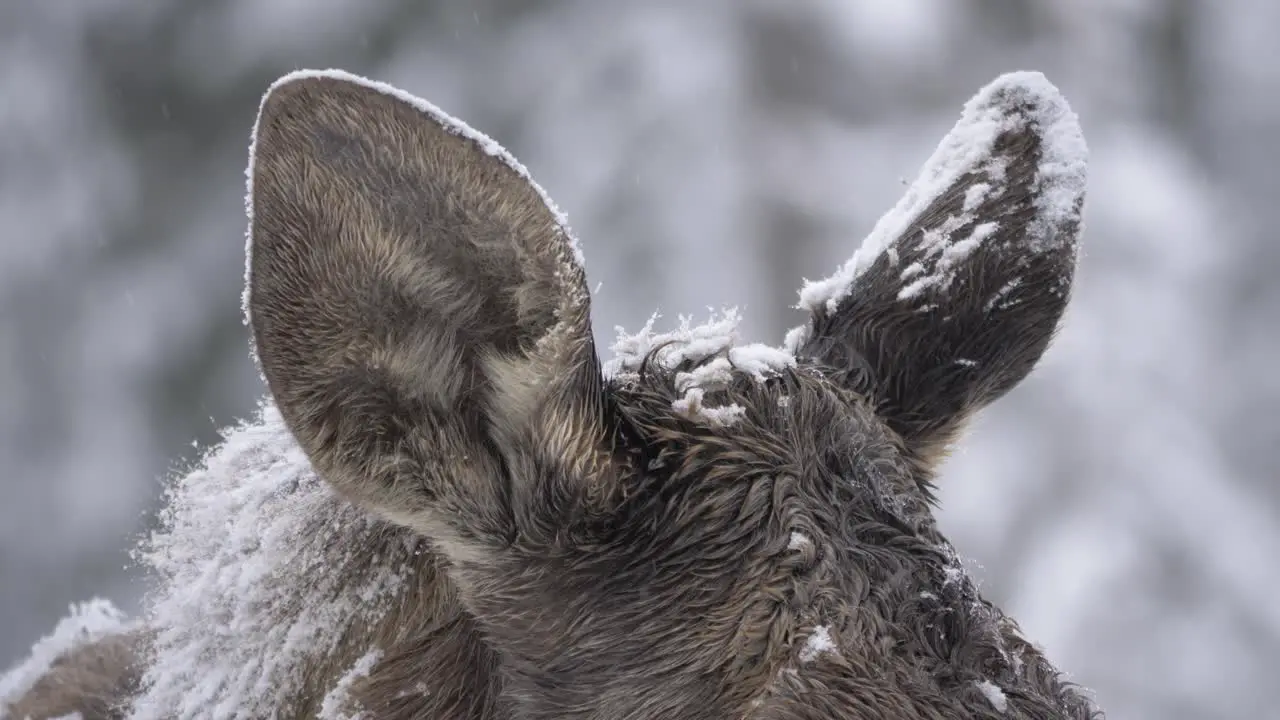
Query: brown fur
<point>435,664</point>
<point>94,679</point>
<point>593,553</point>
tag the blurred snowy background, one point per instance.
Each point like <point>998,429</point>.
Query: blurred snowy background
<point>1123,503</point>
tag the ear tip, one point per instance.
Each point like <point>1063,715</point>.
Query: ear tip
<point>301,93</point>
<point>297,92</point>
<point>1028,96</point>
<point>1018,117</point>
<point>292,83</point>
<point>1027,102</point>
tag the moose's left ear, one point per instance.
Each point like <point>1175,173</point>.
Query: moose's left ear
<point>958,290</point>
<point>420,312</point>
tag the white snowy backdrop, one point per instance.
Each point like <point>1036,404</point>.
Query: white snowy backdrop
<point>1123,503</point>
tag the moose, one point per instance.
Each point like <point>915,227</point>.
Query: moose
<point>449,507</point>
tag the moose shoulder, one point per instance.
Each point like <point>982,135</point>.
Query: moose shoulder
<point>449,508</point>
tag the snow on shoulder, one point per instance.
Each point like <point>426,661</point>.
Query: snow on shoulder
<point>705,358</point>
<point>261,570</point>
<point>86,623</point>
<point>1013,104</point>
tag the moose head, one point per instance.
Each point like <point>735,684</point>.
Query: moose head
<point>709,531</point>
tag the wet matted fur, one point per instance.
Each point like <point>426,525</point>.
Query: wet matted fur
<point>451,509</point>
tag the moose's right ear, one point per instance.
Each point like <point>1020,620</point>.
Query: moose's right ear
<point>419,310</point>
<point>958,290</point>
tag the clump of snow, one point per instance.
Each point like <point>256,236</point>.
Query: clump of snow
<point>86,623</point>
<point>798,541</point>
<point>337,702</point>
<point>818,643</point>
<point>1013,102</point>
<point>262,568</point>
<point>419,688</point>
<point>998,300</point>
<point>689,342</point>
<point>448,122</point>
<point>711,348</point>
<point>796,337</point>
<point>994,695</point>
<point>691,406</point>
<point>938,242</point>
<point>760,361</point>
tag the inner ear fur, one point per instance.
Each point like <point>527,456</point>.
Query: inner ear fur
<point>417,304</point>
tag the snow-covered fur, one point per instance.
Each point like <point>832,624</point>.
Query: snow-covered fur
<point>449,508</point>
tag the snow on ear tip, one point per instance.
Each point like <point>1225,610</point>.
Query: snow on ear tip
<point>1030,103</point>
<point>1025,103</point>
<point>1019,88</point>
<point>1014,104</point>
<point>312,77</point>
